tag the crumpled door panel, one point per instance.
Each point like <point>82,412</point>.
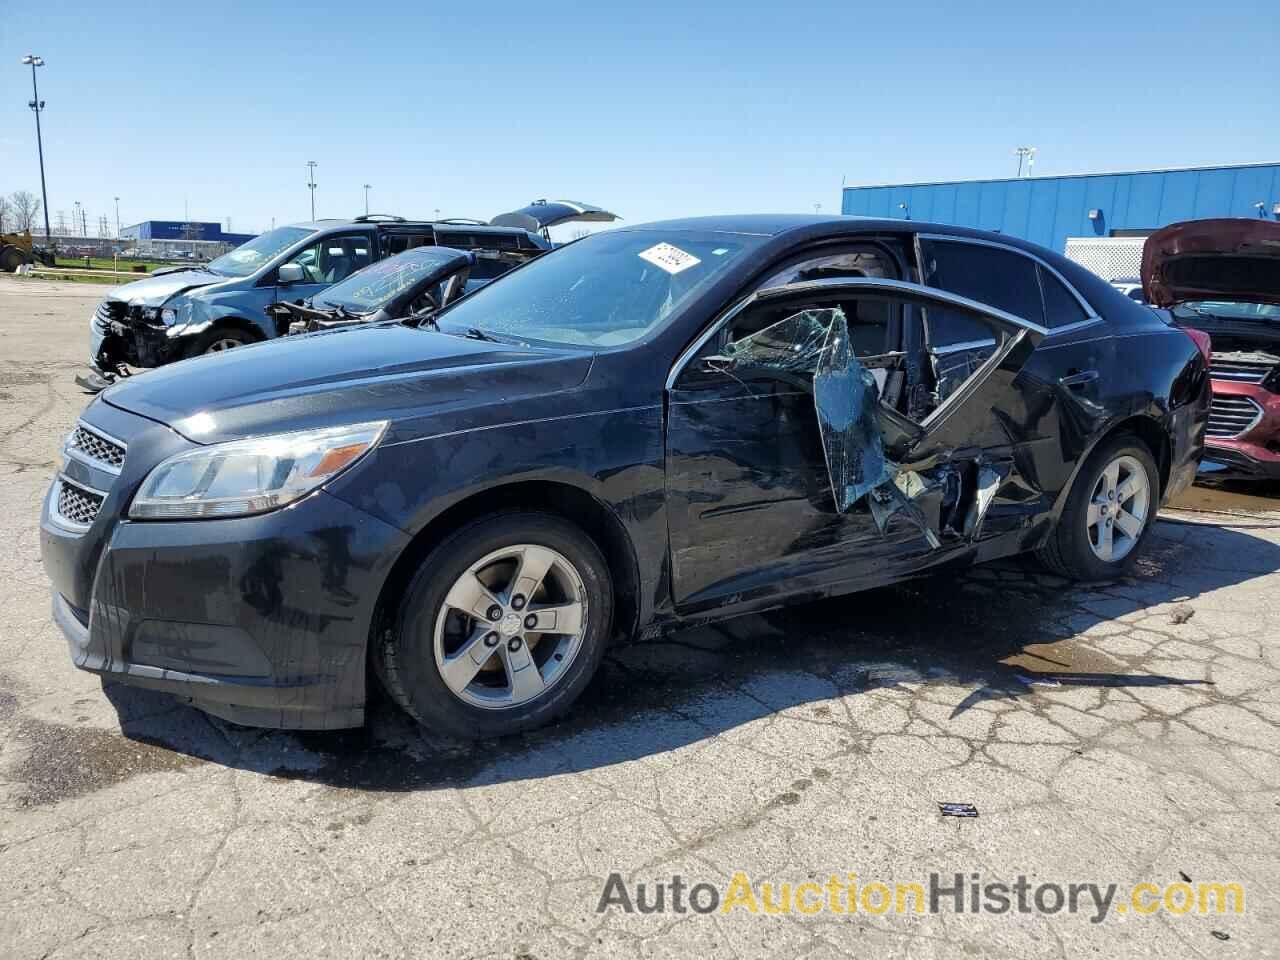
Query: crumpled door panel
<point>859,433</point>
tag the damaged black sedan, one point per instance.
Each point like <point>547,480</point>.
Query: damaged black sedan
<point>650,427</point>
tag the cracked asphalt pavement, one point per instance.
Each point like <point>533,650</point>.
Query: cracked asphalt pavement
<point>1124,732</point>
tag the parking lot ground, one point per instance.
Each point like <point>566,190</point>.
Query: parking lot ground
<point>1122,733</point>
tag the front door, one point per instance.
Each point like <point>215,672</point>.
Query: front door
<point>773,487</point>
<point>327,262</point>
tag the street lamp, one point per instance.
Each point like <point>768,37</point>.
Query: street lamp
<point>366,199</point>
<point>311,185</point>
<point>1029,155</point>
<point>117,218</point>
<point>75,216</point>
<point>36,105</point>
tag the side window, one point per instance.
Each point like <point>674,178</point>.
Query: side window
<point>860,261</point>
<point>1060,307</point>
<point>868,320</point>
<point>989,275</point>
<point>400,240</point>
<point>487,268</point>
<point>334,258</point>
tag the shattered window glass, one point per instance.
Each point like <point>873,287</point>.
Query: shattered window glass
<point>792,345</point>
<point>847,400</point>
<point>816,344</point>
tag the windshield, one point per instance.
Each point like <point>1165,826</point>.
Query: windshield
<point>1228,311</point>
<point>373,287</point>
<point>602,291</point>
<point>258,252</point>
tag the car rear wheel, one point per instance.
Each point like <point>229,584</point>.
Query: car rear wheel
<point>501,627</point>
<point>1108,513</point>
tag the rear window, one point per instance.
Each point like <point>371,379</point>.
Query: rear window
<point>1060,307</point>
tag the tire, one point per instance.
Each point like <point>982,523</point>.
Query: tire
<point>11,258</point>
<point>1077,548</point>
<point>422,658</point>
<point>220,339</point>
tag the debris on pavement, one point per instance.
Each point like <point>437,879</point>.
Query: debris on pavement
<point>1182,613</point>
<point>957,809</point>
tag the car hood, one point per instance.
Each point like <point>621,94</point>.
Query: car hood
<point>369,372</point>
<point>1235,260</point>
<point>542,214</point>
<point>155,291</point>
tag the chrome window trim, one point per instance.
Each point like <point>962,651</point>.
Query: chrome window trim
<point>1090,313</point>
<point>964,345</point>
<point>855,284</point>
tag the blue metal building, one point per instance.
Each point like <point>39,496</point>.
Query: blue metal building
<point>182,230</point>
<point>1048,210</point>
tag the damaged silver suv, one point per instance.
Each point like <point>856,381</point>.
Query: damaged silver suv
<point>650,427</point>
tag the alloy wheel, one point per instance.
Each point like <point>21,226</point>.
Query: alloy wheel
<point>510,626</point>
<point>226,343</point>
<point>1119,508</point>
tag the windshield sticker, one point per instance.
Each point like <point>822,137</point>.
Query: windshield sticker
<point>671,259</point>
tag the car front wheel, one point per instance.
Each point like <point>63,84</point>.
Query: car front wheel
<point>501,628</point>
<point>1108,513</point>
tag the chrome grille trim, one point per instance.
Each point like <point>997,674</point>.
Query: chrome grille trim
<point>107,311</point>
<point>1231,417</point>
<point>74,505</point>
<point>95,448</point>
<point>1240,371</point>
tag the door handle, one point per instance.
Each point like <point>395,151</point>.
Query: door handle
<point>1075,379</point>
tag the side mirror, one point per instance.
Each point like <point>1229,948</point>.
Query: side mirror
<point>289,273</point>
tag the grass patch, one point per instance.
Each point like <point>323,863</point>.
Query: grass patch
<point>106,263</point>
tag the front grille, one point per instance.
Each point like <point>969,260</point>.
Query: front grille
<point>95,447</point>
<point>1231,417</point>
<point>1240,371</point>
<point>76,505</point>
<point>107,311</point>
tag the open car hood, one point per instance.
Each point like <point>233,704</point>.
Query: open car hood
<point>1236,260</point>
<point>542,214</point>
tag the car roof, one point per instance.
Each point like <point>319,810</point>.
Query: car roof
<point>804,228</point>
<point>444,226</point>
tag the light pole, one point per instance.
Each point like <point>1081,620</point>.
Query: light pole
<point>311,185</point>
<point>37,105</point>
<point>75,216</point>
<point>117,218</point>
<point>1028,154</point>
<point>367,187</point>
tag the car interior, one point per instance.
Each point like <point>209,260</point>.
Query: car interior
<point>918,355</point>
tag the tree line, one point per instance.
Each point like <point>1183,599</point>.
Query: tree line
<point>18,211</point>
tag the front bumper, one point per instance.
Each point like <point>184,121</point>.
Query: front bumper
<point>260,620</point>
<point>1254,452</point>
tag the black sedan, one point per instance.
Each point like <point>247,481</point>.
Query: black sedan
<point>653,426</point>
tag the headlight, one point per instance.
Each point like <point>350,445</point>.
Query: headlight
<point>251,476</point>
<point>166,315</point>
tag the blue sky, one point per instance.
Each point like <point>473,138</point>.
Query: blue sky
<point>652,109</point>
